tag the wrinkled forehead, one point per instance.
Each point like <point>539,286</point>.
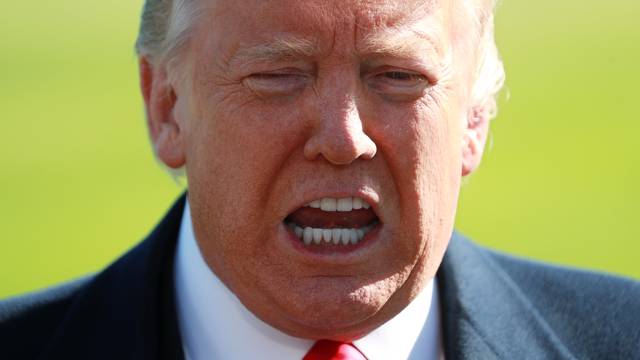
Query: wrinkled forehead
<point>362,22</point>
<point>324,10</point>
<point>365,14</point>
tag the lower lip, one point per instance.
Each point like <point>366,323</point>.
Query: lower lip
<point>330,250</point>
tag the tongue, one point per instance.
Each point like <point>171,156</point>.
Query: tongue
<point>317,218</point>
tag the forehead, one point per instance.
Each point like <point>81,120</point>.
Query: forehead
<point>332,13</point>
<point>242,23</point>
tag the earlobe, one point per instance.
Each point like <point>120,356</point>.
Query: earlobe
<point>160,104</point>
<point>474,139</point>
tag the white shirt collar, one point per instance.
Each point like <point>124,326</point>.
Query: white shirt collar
<point>215,325</point>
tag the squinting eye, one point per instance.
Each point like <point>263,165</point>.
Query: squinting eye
<point>276,83</point>
<point>399,85</point>
<point>398,75</point>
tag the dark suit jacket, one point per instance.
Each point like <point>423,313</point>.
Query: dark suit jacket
<point>493,306</point>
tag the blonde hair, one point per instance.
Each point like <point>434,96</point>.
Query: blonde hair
<point>489,73</point>
<point>165,27</point>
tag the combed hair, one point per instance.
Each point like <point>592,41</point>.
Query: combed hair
<point>489,73</point>
<point>165,26</point>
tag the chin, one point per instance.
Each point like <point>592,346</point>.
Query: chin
<point>337,309</point>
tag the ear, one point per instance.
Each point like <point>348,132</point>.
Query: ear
<point>160,105</point>
<point>474,139</point>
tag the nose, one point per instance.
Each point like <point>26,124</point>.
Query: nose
<point>338,134</point>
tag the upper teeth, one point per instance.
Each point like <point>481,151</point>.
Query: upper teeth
<point>342,204</point>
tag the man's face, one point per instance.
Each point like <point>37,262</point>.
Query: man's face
<point>291,103</point>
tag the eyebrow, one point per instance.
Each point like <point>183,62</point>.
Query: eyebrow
<point>280,48</point>
<point>402,44</point>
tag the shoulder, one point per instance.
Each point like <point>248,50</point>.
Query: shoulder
<point>28,322</point>
<point>591,312</point>
<point>115,314</point>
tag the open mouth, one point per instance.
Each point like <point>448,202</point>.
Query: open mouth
<point>333,222</point>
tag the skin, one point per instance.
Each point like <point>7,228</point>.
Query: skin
<point>261,137</point>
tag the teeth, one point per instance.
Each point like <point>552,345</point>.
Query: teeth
<point>326,235</point>
<point>317,236</point>
<point>328,204</point>
<point>354,236</point>
<point>307,236</point>
<point>357,203</point>
<point>345,236</point>
<point>345,204</point>
<point>342,204</point>
<point>335,236</point>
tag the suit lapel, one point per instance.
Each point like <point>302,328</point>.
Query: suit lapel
<point>127,311</point>
<point>485,315</point>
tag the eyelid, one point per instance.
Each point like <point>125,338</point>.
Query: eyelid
<point>410,76</point>
<point>396,69</point>
<point>273,76</point>
<point>412,66</point>
<point>284,70</point>
<point>408,89</point>
<point>281,75</point>
<point>276,82</point>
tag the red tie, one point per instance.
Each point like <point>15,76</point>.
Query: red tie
<point>333,350</point>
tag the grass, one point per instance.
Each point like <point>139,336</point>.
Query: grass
<point>80,185</point>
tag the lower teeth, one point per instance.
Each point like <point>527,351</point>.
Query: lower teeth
<point>335,236</point>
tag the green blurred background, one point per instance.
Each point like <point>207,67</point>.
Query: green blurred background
<point>79,184</point>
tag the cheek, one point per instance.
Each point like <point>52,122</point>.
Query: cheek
<point>421,144</point>
<point>232,169</point>
<point>440,158</point>
<point>237,147</point>
<point>422,150</point>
